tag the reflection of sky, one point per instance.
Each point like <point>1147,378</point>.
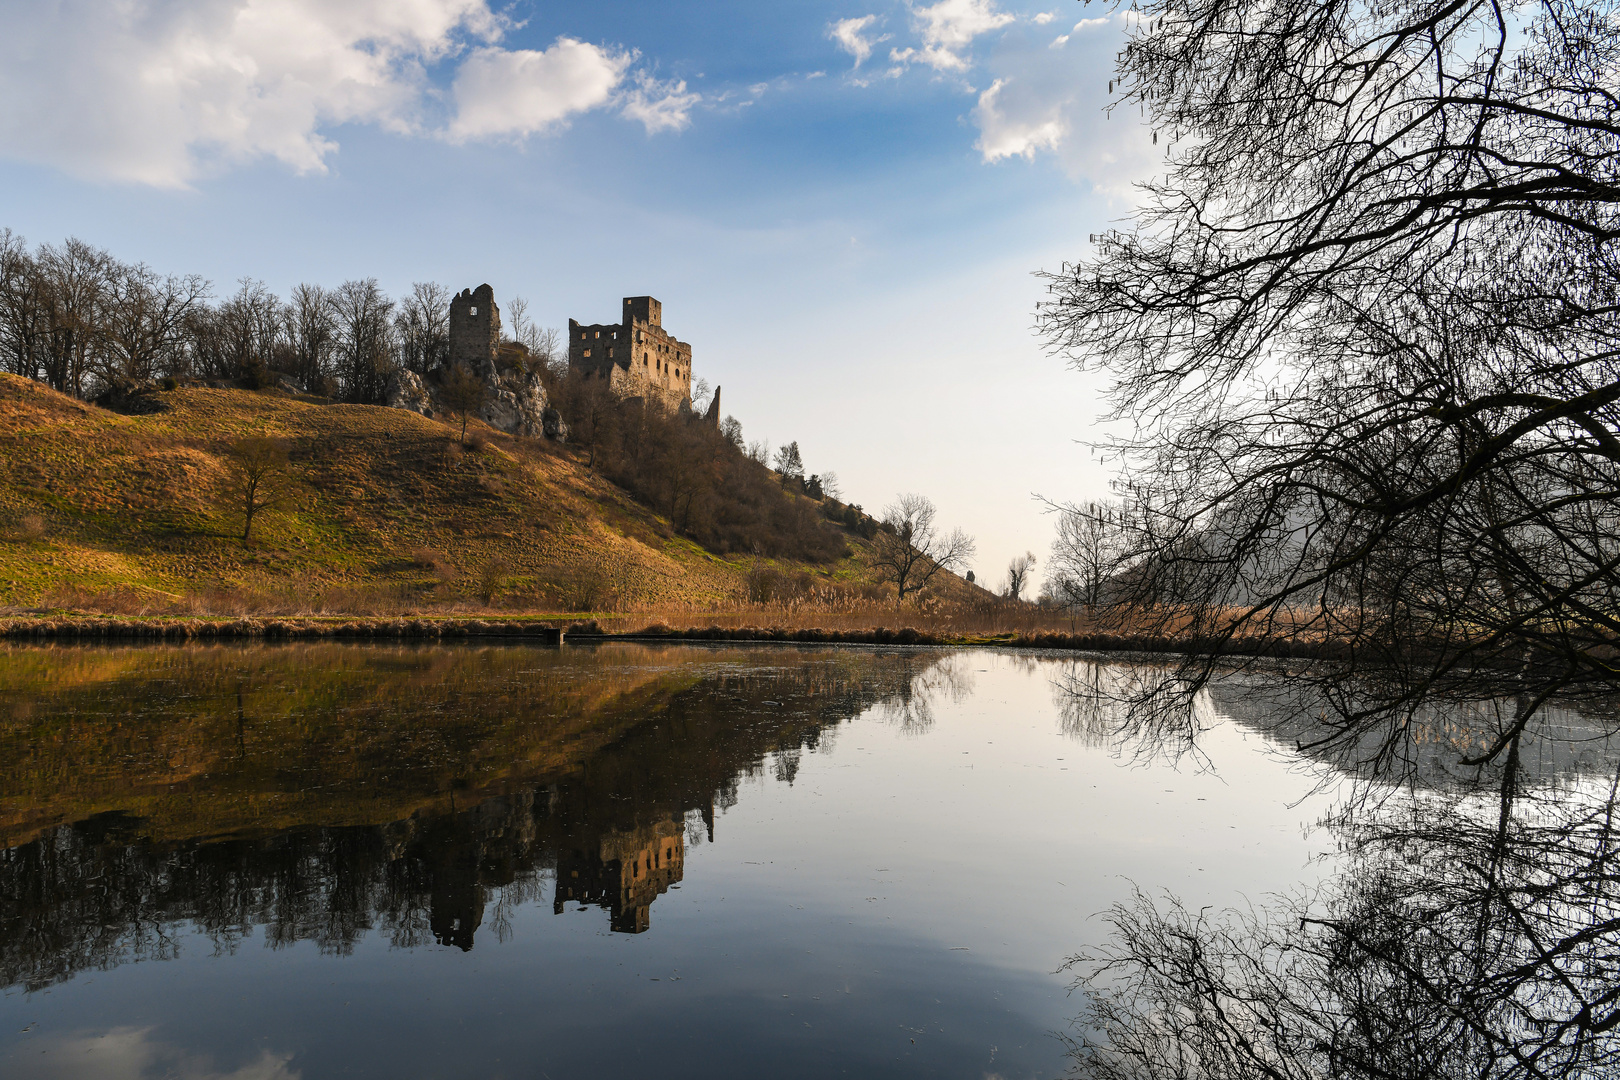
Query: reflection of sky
<point>916,881</point>
<point>833,241</point>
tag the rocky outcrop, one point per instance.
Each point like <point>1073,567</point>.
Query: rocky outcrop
<point>406,390</point>
<point>552,426</point>
<point>514,401</point>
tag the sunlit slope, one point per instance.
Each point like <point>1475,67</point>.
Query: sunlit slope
<point>385,497</point>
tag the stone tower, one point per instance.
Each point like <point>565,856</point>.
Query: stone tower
<point>475,328</point>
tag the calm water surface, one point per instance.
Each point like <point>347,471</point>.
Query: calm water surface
<point>620,860</point>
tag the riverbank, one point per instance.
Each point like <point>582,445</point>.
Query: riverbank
<point>554,629</point>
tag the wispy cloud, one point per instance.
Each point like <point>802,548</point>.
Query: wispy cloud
<point>948,29</point>
<point>660,105</point>
<point>850,34</point>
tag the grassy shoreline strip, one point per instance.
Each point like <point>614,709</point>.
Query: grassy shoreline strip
<point>92,628</point>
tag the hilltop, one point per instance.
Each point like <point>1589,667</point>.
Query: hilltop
<point>391,510</point>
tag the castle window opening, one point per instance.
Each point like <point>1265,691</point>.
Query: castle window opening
<point>472,311</point>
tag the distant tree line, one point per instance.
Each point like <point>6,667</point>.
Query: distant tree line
<point>83,322</point>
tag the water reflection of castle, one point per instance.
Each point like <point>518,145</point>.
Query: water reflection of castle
<point>624,872</point>
<point>609,830</point>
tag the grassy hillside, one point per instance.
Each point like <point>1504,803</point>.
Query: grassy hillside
<point>390,510</point>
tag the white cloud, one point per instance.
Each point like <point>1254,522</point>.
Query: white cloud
<point>1048,97</point>
<point>948,29</point>
<point>130,1054</point>
<point>520,92</point>
<point>660,106</point>
<point>1019,133</point>
<point>162,92</point>
<point>851,37</point>
<point>1045,17</point>
<point>158,93</point>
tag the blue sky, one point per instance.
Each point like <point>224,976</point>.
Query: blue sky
<point>848,246</point>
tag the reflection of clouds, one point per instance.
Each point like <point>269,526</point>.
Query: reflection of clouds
<point>131,1053</point>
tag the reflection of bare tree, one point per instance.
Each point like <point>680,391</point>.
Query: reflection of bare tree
<point>1468,935</point>
<point>1133,709</point>
<point>920,683</point>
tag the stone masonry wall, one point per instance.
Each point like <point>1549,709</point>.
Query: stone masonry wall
<point>638,356</point>
<point>475,328</point>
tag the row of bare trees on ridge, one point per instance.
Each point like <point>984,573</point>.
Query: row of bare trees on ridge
<point>83,322</point>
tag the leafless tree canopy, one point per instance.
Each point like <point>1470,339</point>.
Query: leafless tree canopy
<point>78,319</point>
<point>1018,574</point>
<point>1367,324</point>
<point>911,547</point>
<point>1367,327</point>
<point>1088,552</point>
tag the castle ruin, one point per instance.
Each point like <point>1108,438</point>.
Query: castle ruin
<point>475,329</point>
<point>637,356</point>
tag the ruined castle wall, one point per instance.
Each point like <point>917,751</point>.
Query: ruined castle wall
<point>638,356</point>
<point>475,328</point>
<point>661,361</point>
<point>596,349</point>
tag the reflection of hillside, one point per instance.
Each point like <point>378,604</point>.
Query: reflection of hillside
<point>612,800</point>
<point>1131,707</point>
<point>1430,748</point>
<point>222,740</point>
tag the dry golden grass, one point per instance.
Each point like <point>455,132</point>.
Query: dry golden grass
<point>393,516</point>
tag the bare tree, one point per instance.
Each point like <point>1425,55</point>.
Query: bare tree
<point>422,327</point>
<point>24,328</point>
<point>143,322</point>
<point>311,330</point>
<point>546,347</point>
<point>73,284</point>
<point>1366,327</point>
<point>1090,548</point>
<point>251,327</point>
<point>364,343</point>
<point>545,343</point>
<point>788,462</point>
<point>463,393</point>
<point>910,548</point>
<point>258,478</point>
<point>1019,571</point>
